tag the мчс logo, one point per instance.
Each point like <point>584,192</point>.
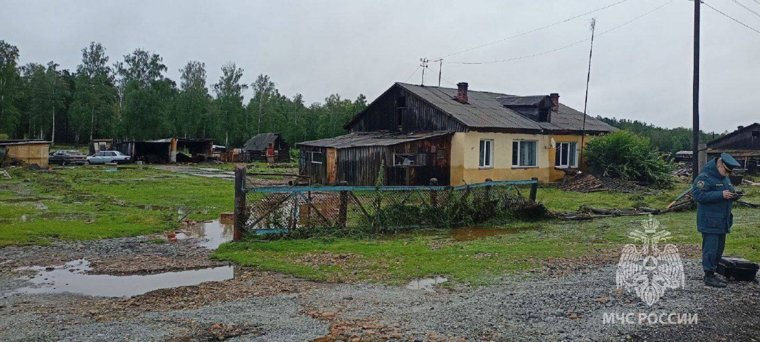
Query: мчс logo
<point>649,270</point>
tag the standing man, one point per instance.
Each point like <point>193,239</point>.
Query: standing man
<point>714,194</point>
<point>270,154</point>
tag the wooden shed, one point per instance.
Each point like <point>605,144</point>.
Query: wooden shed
<point>27,152</point>
<point>256,147</point>
<point>356,158</point>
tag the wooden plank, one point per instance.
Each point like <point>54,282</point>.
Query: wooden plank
<point>332,165</point>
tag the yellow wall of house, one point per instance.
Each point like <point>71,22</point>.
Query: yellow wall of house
<point>465,157</point>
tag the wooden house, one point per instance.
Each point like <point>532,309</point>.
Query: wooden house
<point>477,135</point>
<point>256,147</point>
<point>743,144</point>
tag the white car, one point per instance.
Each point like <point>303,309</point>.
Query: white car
<point>104,157</point>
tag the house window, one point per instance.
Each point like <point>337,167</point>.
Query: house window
<point>317,157</point>
<point>486,153</point>
<point>524,153</point>
<point>404,159</point>
<point>566,155</point>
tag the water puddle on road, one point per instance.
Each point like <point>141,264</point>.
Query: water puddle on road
<point>427,284</point>
<point>72,278</point>
<point>212,234</point>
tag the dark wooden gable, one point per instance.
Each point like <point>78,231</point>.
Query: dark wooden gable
<point>400,110</point>
<point>746,138</point>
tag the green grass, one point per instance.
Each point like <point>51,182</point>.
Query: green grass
<point>525,245</point>
<point>90,202</point>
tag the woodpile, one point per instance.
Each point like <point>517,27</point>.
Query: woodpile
<point>590,183</point>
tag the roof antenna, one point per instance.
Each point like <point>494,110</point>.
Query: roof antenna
<point>424,65</point>
<point>588,79</point>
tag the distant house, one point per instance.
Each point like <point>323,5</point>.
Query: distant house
<point>256,147</point>
<point>29,152</point>
<point>457,136</point>
<point>683,156</point>
<point>743,144</point>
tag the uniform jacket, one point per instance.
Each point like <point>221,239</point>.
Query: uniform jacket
<point>713,211</point>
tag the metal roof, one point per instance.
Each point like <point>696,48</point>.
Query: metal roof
<point>379,138</point>
<point>485,110</point>
<point>713,142</point>
<point>260,141</point>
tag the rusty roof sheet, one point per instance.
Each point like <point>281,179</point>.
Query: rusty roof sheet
<point>380,138</point>
<point>485,110</point>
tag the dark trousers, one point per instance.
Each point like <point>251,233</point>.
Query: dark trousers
<point>712,250</point>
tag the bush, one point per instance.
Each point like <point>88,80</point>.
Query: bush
<point>628,156</point>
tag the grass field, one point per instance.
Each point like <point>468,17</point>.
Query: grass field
<point>94,202</point>
<point>79,203</point>
<point>518,246</point>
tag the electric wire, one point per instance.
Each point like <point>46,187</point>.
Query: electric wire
<point>577,42</point>
<point>520,34</point>
<point>747,8</point>
<point>732,18</point>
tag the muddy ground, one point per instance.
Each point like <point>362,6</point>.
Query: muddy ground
<point>563,301</point>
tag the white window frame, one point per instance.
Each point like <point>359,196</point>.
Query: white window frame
<point>485,163</point>
<point>558,151</point>
<point>519,146</point>
<point>311,154</point>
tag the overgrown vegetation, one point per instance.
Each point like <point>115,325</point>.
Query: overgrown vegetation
<point>628,156</point>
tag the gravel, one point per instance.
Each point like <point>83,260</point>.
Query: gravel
<point>264,306</point>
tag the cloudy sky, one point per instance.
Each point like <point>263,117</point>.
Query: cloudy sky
<point>642,65</point>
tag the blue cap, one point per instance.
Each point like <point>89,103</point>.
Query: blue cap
<point>729,161</point>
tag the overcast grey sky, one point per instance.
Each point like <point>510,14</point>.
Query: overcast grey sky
<point>641,70</point>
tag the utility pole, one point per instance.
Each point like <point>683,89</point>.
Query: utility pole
<point>695,94</point>
<point>588,80</point>
<point>424,65</point>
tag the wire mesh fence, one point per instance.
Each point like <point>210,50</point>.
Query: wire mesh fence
<point>386,208</point>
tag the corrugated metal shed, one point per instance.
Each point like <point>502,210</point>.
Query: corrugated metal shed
<point>485,111</point>
<point>381,138</point>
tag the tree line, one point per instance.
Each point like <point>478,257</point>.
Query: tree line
<point>668,140</point>
<point>133,99</point>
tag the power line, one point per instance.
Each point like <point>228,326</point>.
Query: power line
<point>412,74</point>
<point>546,52</point>
<point>732,18</point>
<point>747,8</point>
<point>520,34</point>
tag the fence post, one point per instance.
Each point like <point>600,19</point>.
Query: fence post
<point>343,210</point>
<point>240,194</point>
<point>488,189</point>
<point>533,188</point>
<point>433,193</point>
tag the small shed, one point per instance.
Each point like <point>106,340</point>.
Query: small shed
<point>25,151</point>
<point>359,158</point>
<point>256,147</point>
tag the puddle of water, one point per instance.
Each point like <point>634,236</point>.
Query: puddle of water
<point>426,284</point>
<point>213,233</point>
<point>72,278</point>
<point>466,234</point>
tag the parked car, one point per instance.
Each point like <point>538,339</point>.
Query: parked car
<point>67,157</point>
<point>104,157</point>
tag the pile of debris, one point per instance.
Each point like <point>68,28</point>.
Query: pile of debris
<point>682,171</point>
<point>590,183</point>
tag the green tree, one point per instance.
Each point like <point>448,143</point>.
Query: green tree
<point>94,96</point>
<point>45,94</point>
<point>263,92</point>
<point>229,98</point>
<point>628,156</point>
<point>192,116</point>
<point>147,96</point>
<point>10,88</point>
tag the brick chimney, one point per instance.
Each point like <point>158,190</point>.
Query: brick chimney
<point>555,102</point>
<point>462,92</point>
